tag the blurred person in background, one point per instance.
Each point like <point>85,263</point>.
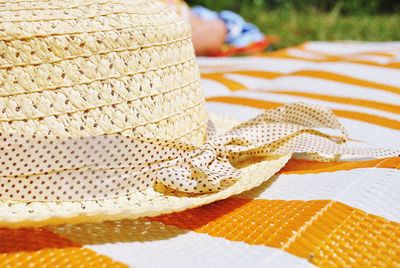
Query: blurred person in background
<point>222,33</point>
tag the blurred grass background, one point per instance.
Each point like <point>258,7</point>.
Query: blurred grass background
<point>296,21</point>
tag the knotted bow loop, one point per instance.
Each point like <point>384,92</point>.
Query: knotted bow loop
<point>207,169</point>
<point>99,167</point>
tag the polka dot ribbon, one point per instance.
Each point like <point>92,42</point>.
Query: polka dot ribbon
<point>91,168</point>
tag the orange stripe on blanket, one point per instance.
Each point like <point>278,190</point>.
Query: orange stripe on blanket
<point>30,239</point>
<point>359,102</point>
<point>394,65</point>
<point>37,247</point>
<point>378,53</point>
<point>261,104</point>
<point>347,80</point>
<point>326,233</point>
<point>349,55</point>
<point>304,47</point>
<point>286,54</point>
<point>229,83</point>
<point>315,74</point>
<point>299,166</point>
<point>369,118</point>
<point>259,74</point>
<point>67,257</point>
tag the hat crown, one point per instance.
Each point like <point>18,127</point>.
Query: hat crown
<point>82,68</point>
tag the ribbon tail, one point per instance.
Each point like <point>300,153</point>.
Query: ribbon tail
<point>297,128</point>
<point>300,114</point>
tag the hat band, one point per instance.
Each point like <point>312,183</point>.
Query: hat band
<point>41,168</point>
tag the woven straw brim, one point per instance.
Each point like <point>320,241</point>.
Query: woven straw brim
<point>151,202</point>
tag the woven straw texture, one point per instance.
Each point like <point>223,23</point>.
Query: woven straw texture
<point>80,68</point>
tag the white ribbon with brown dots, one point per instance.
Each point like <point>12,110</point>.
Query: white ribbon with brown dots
<point>92,168</point>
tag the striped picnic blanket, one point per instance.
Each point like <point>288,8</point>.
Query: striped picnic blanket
<point>325,214</point>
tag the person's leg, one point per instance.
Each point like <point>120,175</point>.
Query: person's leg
<point>208,36</point>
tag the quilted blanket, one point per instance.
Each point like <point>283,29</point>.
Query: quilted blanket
<point>338,214</point>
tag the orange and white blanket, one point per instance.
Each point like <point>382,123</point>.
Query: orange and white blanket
<point>338,214</point>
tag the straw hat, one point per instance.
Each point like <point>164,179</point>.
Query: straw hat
<point>75,74</point>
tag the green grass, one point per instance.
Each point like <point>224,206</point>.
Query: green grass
<point>294,27</point>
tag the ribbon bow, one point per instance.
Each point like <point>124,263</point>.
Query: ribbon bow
<point>99,167</point>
